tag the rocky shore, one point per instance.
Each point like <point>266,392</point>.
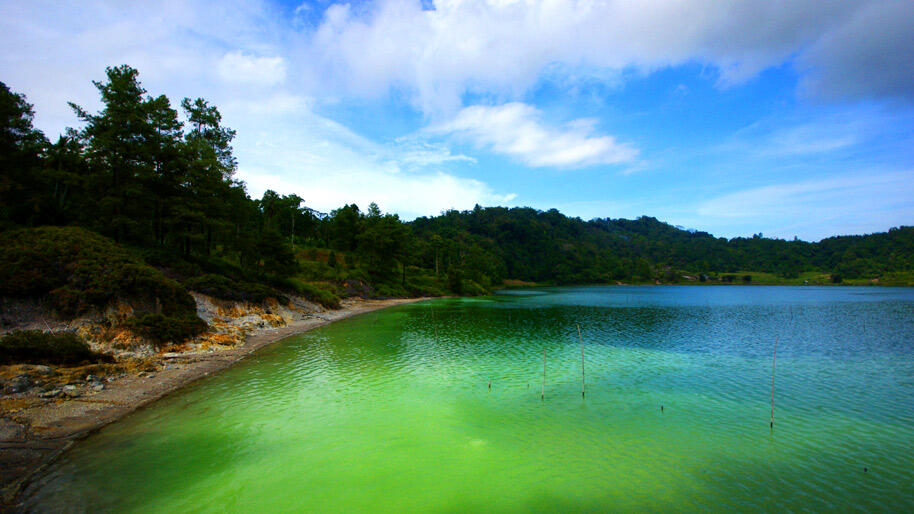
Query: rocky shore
<point>44,410</point>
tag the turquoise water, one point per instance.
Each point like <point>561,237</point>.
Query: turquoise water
<point>392,411</point>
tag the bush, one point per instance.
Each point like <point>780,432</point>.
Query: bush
<point>78,269</point>
<point>471,288</point>
<point>36,347</point>
<point>322,294</point>
<point>389,291</point>
<point>228,289</point>
<point>747,278</point>
<point>424,285</point>
<point>161,330</point>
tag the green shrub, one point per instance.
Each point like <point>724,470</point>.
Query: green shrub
<point>78,269</point>
<point>227,289</point>
<point>161,330</point>
<point>322,294</point>
<point>424,285</point>
<point>36,347</point>
<point>471,288</point>
<point>389,291</point>
<point>170,262</point>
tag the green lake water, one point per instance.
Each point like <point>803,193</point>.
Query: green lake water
<point>392,412</point>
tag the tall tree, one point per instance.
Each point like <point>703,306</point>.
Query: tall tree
<point>115,141</point>
<point>21,146</point>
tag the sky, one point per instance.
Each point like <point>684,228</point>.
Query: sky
<point>790,118</point>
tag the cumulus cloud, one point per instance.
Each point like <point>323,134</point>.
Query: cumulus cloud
<point>327,164</point>
<point>871,54</point>
<point>503,47</point>
<point>492,52</point>
<point>232,53</point>
<point>52,51</point>
<point>517,130</point>
<point>248,69</point>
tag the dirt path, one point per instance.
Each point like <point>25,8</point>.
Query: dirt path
<point>43,432</point>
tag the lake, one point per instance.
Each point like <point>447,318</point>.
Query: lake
<point>393,411</point>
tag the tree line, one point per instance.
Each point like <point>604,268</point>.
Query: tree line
<point>161,178</point>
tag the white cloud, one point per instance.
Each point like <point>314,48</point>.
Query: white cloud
<point>328,165</point>
<point>806,139</point>
<point>219,50</point>
<point>851,203</point>
<point>410,196</point>
<point>414,152</point>
<point>503,47</point>
<point>248,69</point>
<point>517,130</point>
<point>870,54</point>
<point>828,134</point>
<point>438,58</point>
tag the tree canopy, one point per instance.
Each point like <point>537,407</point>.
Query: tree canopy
<point>163,182</point>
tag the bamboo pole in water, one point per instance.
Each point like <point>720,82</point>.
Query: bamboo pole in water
<point>543,393</point>
<point>773,360</point>
<point>581,339</point>
<point>434,322</point>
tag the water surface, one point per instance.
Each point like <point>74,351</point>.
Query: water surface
<point>392,411</point>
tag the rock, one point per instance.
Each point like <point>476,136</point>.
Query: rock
<point>43,370</point>
<point>150,375</point>
<point>172,355</point>
<point>69,388</point>
<point>53,393</point>
<point>98,387</point>
<point>10,430</point>
<point>91,378</point>
<point>19,384</point>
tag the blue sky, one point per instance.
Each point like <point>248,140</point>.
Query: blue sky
<point>789,118</point>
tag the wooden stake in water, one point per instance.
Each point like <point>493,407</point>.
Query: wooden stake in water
<point>434,322</point>
<point>773,360</point>
<point>543,393</point>
<point>582,359</point>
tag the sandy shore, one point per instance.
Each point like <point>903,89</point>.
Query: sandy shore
<point>47,430</point>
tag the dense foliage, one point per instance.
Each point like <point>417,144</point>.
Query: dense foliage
<point>165,189</point>
<point>77,269</point>
<point>36,347</point>
<point>531,245</point>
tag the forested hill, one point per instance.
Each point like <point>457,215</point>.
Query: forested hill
<point>156,187</point>
<point>533,245</point>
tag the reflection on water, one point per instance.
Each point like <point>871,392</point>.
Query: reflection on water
<point>392,411</point>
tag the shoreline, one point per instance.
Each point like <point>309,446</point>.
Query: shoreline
<point>53,428</point>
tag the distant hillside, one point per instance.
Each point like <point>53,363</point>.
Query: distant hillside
<point>532,245</point>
